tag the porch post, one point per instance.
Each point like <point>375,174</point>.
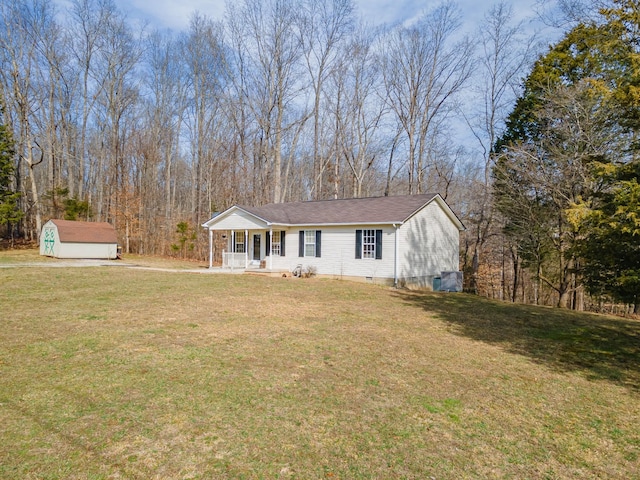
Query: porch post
<point>210,248</point>
<point>233,248</point>
<point>271,247</point>
<point>246,249</point>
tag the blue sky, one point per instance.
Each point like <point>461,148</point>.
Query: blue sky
<point>175,14</point>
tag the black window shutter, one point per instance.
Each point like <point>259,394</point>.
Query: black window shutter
<point>301,244</point>
<point>318,238</point>
<point>358,243</point>
<point>267,247</point>
<point>378,244</point>
<point>282,237</point>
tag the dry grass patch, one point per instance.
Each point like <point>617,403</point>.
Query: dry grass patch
<point>32,256</point>
<point>122,373</point>
<point>21,256</point>
<point>163,262</point>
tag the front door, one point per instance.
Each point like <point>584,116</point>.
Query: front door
<point>256,246</point>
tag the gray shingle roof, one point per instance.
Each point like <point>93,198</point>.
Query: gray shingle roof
<point>85,232</point>
<point>370,210</point>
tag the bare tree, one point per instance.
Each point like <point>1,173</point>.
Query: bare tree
<point>158,141</point>
<point>21,60</point>
<point>505,52</point>
<point>323,27</point>
<point>423,71</point>
<point>358,109</point>
<point>270,51</point>
<point>116,62</point>
<point>56,80</point>
<point>87,29</point>
<point>204,58</point>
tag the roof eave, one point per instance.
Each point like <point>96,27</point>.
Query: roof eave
<point>336,224</point>
<point>225,213</point>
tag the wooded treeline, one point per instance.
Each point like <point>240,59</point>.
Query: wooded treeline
<point>283,100</point>
<point>567,172</point>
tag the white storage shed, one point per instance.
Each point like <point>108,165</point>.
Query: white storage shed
<point>72,239</point>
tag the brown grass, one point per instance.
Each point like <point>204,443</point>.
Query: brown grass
<point>122,373</point>
<point>163,262</point>
<point>22,256</point>
<point>31,256</point>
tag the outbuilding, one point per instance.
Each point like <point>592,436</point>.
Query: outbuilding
<point>73,239</point>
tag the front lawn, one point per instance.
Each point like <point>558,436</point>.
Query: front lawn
<point>123,373</point>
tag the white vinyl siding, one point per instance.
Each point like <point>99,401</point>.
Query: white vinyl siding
<point>239,220</point>
<point>338,259</point>
<point>429,244</point>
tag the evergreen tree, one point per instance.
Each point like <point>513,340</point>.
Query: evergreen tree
<point>610,245</point>
<point>9,211</point>
<point>611,248</point>
<point>578,116</point>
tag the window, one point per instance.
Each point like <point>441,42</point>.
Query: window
<point>275,243</point>
<point>309,243</point>
<point>239,242</point>
<point>369,244</point>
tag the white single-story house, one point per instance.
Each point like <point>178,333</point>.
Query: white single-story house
<point>72,239</point>
<point>399,240</point>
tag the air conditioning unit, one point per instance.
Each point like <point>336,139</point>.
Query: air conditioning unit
<point>451,281</point>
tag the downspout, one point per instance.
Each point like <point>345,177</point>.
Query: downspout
<point>396,255</point>
<point>210,248</point>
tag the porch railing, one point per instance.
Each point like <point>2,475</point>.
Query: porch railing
<point>234,260</point>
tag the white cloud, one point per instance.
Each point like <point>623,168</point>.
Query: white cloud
<point>173,14</point>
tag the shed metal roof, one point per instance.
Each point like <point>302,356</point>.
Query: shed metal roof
<point>85,232</point>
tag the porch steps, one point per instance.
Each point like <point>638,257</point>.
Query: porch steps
<point>268,273</point>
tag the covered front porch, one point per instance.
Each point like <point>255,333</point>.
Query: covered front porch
<point>248,249</point>
<point>249,242</point>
